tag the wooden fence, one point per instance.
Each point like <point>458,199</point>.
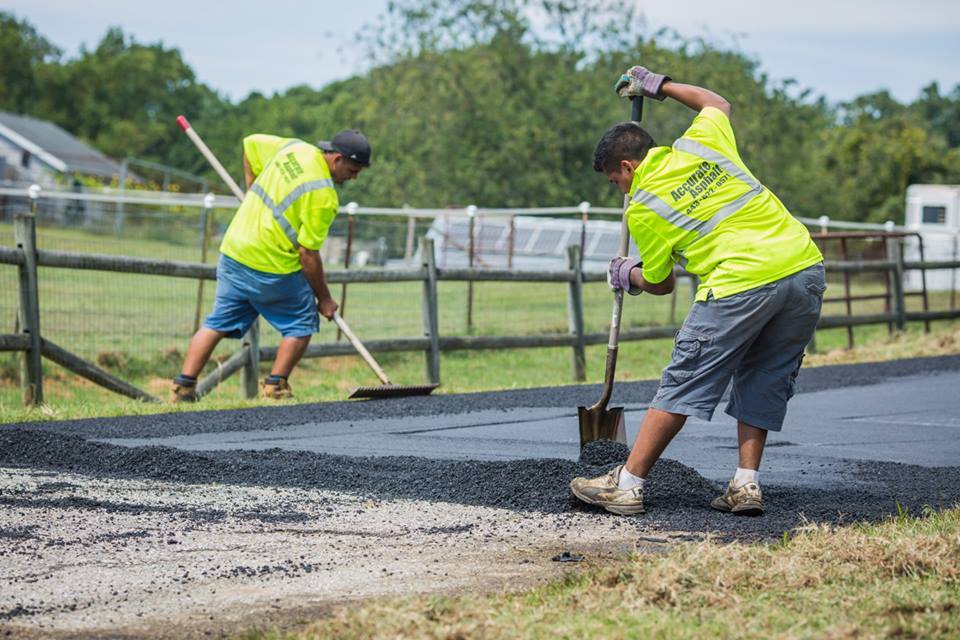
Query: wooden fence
<point>28,337</point>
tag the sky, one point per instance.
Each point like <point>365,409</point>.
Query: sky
<point>838,48</point>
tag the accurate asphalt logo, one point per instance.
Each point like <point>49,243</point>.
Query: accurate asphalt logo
<point>702,183</point>
<point>290,167</point>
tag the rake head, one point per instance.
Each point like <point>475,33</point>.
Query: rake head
<point>394,391</point>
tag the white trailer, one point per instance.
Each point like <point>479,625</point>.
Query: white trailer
<point>933,211</point>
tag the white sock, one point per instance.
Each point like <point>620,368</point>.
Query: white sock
<point>627,480</point>
<point>743,476</point>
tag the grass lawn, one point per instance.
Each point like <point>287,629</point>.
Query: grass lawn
<point>896,579</point>
<point>138,327</point>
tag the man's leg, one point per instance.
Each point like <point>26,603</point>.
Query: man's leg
<point>751,440</point>
<point>656,432</point>
<point>201,346</point>
<point>289,353</point>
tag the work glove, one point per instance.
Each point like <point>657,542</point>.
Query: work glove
<point>618,275</point>
<point>640,81</point>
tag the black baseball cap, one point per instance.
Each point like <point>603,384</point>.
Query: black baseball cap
<point>352,144</point>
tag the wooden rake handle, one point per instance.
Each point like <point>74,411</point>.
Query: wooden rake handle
<point>362,350</point>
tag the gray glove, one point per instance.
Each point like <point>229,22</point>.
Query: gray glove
<point>640,81</point>
<point>618,274</point>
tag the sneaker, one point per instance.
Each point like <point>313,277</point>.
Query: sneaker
<point>604,492</point>
<point>745,500</point>
<point>276,391</point>
<point>183,393</point>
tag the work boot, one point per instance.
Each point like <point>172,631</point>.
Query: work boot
<point>604,492</point>
<point>183,391</point>
<point>745,500</point>
<point>276,389</point>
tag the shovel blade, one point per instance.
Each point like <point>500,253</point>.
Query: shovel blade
<point>601,424</point>
<point>394,391</point>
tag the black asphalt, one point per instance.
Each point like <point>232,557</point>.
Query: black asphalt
<point>677,497</point>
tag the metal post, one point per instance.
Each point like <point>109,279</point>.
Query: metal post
<point>575,313</point>
<point>846,290</point>
<point>584,217</point>
<point>472,215</point>
<point>31,365</point>
<point>351,211</point>
<point>953,273</point>
<point>431,322</point>
<point>888,284</point>
<point>896,252</point>
<point>251,365</point>
<point>923,283</point>
<point>118,220</point>
<point>206,221</point>
<point>510,242</point>
<point>411,237</point>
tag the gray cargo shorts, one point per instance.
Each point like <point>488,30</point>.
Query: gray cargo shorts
<point>757,338</point>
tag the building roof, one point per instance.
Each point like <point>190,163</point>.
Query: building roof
<point>532,240</point>
<point>55,147</point>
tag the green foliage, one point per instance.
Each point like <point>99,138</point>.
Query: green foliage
<point>499,104</point>
<point>23,52</point>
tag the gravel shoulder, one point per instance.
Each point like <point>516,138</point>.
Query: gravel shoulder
<point>100,540</point>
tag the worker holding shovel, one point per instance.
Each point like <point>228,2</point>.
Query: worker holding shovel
<point>270,263</point>
<point>761,287</point>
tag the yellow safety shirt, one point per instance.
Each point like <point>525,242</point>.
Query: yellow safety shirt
<point>291,204</point>
<point>698,205</point>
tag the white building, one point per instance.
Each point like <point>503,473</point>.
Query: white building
<point>34,151</point>
<point>933,210</point>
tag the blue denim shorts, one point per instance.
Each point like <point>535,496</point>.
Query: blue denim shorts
<point>286,301</point>
<point>756,338</point>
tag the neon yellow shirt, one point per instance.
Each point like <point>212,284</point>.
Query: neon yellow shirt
<point>291,204</point>
<point>698,205</point>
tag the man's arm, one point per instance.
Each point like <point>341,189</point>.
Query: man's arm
<point>697,98</point>
<point>248,176</point>
<point>313,270</point>
<point>658,289</point>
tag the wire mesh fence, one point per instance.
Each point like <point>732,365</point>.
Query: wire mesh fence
<point>143,323</point>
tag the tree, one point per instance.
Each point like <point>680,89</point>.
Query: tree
<point>22,51</point>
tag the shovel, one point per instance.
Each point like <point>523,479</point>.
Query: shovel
<point>387,390</point>
<point>599,422</point>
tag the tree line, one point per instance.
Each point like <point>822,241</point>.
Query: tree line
<point>468,102</point>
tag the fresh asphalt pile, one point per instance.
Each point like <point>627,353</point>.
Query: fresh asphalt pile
<point>677,496</point>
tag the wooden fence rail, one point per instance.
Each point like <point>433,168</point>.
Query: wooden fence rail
<point>28,338</point>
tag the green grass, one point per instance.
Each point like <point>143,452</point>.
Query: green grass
<point>896,579</point>
<point>138,327</point>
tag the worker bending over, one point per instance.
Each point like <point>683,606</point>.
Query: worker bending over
<point>270,263</point>
<point>761,287</point>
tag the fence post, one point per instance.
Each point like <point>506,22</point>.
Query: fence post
<point>471,252</point>
<point>895,249</point>
<point>431,323</point>
<point>251,366</point>
<point>206,221</point>
<point>575,313</point>
<point>31,364</point>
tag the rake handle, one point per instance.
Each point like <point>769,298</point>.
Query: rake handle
<point>212,159</point>
<point>362,350</point>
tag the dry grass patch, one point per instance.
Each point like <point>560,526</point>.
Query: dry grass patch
<point>897,579</point>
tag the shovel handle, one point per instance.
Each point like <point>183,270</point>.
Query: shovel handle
<point>636,108</point>
<point>362,350</point>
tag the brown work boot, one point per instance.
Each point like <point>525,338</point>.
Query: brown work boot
<point>279,390</point>
<point>183,393</point>
<point>745,500</point>
<point>604,492</point>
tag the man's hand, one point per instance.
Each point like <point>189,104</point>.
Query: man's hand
<point>640,81</point>
<point>327,307</point>
<point>618,274</point>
